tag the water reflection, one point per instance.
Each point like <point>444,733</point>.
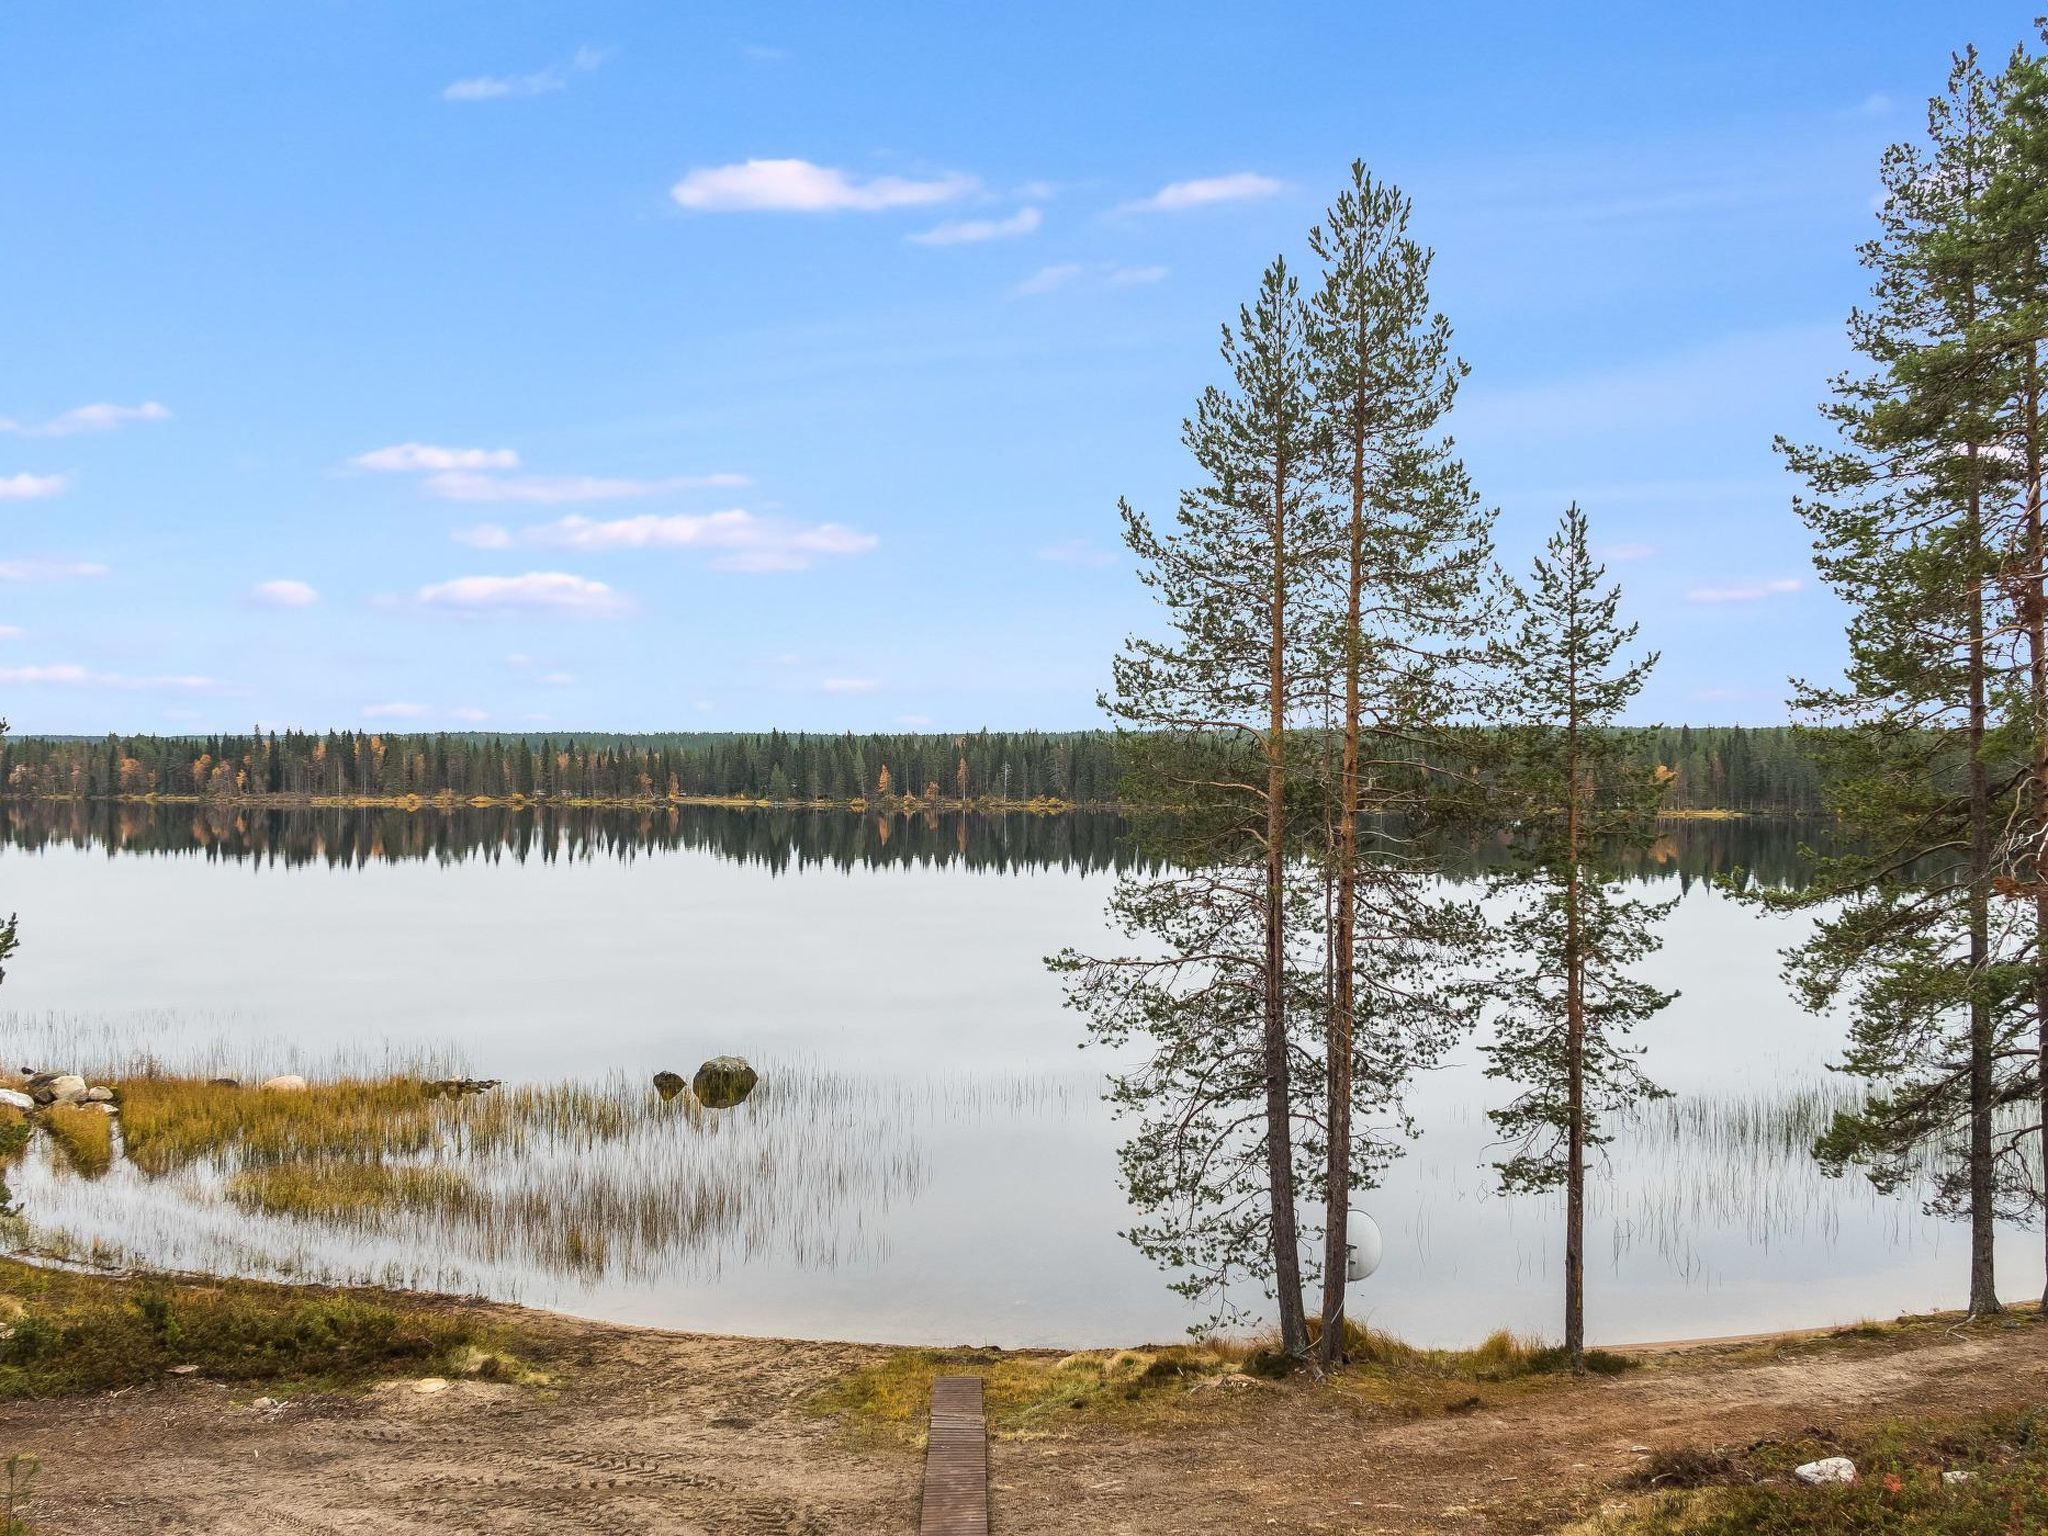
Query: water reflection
<point>780,840</point>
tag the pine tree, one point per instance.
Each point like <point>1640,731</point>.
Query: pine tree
<point>1901,510</point>
<point>1406,612</point>
<point>1567,999</point>
<point>1230,956</point>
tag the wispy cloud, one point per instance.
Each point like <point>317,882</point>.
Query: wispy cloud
<point>98,417</point>
<point>536,591</point>
<point>798,186</point>
<point>27,487</point>
<point>71,675</point>
<point>915,722</point>
<point>737,539</point>
<point>1624,553</point>
<point>975,231</point>
<point>397,709</point>
<point>540,82</point>
<point>558,490</point>
<point>1076,552</point>
<point>10,631</point>
<point>1745,592</point>
<point>469,714</point>
<point>1066,274</point>
<point>1049,279</point>
<point>849,684</point>
<point>49,570</point>
<point>415,458</point>
<point>284,593</point>
<point>1204,192</point>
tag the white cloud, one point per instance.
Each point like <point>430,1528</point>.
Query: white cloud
<point>98,417</point>
<point>917,722</point>
<point>27,487</point>
<point>540,83</point>
<point>48,570</point>
<point>555,490</point>
<point>69,674</point>
<point>1242,186</point>
<point>974,231</point>
<point>470,714</point>
<point>737,540</point>
<point>1047,279</point>
<point>284,593</point>
<point>396,710</point>
<point>1065,274</point>
<point>849,684</point>
<point>543,591</point>
<point>1745,592</point>
<point>412,457</point>
<point>798,186</point>
<point>10,631</point>
<point>1076,552</point>
<point>557,679</point>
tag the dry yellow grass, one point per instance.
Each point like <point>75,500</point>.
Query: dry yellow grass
<point>334,1187</point>
<point>85,1133</point>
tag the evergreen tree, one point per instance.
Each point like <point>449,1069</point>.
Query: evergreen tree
<point>1405,611</point>
<point>1230,963</point>
<point>1900,508</point>
<point>1567,999</point>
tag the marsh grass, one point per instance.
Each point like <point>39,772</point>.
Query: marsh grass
<point>85,1135</point>
<point>15,1133</point>
<point>334,1187</point>
<point>71,1333</point>
<point>1899,1491</point>
<point>386,1180</point>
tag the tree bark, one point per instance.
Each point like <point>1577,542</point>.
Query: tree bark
<point>1279,1112</point>
<point>1343,1015</point>
<point>1983,1277</point>
<point>1575,1051</point>
<point>2034,611</point>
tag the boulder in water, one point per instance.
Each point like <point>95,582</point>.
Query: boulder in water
<point>723,1082</point>
<point>669,1084</point>
<point>67,1088</point>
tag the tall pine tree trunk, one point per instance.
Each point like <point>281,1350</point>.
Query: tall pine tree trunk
<point>1279,1112</point>
<point>2034,611</point>
<point>1983,1278</point>
<point>1343,1014</point>
<point>1575,1056</point>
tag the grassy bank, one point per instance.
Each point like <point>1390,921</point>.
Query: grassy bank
<point>1984,1473</point>
<point>1032,1392</point>
<point>65,1333</point>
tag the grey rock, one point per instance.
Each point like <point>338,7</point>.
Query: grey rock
<point>67,1088</point>
<point>99,1095</point>
<point>16,1100</point>
<point>669,1084</point>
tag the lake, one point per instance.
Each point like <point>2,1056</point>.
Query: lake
<point>927,1159</point>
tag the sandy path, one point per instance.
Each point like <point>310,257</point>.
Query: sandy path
<point>676,1433</point>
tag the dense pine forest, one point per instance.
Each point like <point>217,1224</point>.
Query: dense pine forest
<point>1760,770</point>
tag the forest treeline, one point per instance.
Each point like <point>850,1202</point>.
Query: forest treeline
<point>1759,770</point>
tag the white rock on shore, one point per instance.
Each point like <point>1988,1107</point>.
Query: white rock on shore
<point>291,1082</point>
<point>1829,1469</point>
<point>16,1100</point>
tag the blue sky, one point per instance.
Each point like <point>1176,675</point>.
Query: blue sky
<point>647,366</point>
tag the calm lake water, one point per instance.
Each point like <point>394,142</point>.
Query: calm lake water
<point>928,1159</point>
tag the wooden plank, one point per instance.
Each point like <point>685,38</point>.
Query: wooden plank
<point>956,1461</point>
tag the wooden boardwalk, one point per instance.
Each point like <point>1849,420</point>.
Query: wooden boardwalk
<point>956,1461</point>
